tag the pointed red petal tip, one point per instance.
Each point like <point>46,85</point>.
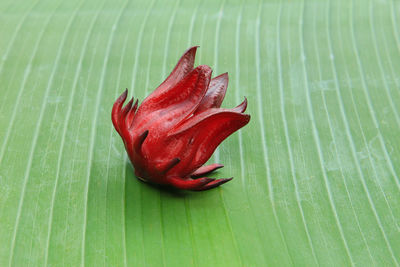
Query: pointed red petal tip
<point>241,107</point>
<point>176,129</point>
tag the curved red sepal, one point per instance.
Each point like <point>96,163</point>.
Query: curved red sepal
<point>206,130</point>
<point>215,93</point>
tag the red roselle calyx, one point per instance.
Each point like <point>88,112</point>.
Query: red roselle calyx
<point>177,127</point>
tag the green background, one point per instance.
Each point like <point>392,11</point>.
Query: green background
<point>316,169</point>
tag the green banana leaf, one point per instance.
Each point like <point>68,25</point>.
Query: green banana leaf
<point>316,171</point>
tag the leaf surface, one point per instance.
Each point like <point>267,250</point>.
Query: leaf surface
<point>316,171</point>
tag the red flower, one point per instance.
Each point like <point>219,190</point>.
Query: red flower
<point>178,126</point>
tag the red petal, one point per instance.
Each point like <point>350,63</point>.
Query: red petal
<point>203,134</point>
<point>199,184</point>
<point>172,106</point>
<point>241,107</point>
<point>116,111</point>
<point>122,123</point>
<point>213,184</point>
<point>131,114</point>
<point>189,184</point>
<point>199,117</point>
<point>203,170</point>
<point>215,93</point>
<point>183,67</point>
